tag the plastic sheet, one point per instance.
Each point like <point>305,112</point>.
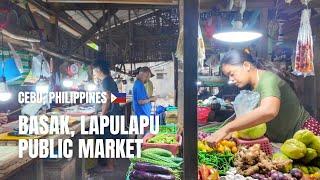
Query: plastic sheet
<point>245,102</point>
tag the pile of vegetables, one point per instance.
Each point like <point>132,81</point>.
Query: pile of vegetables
<point>202,135</point>
<point>207,173</point>
<point>168,129</point>
<point>204,147</point>
<point>219,161</point>
<point>253,160</point>
<point>221,147</point>
<point>294,174</point>
<point>155,164</point>
<point>304,150</point>
<point>227,146</point>
<point>164,139</point>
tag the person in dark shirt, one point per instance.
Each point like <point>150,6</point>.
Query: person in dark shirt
<point>101,72</point>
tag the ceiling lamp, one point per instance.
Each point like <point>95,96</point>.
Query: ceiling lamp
<point>42,86</point>
<point>237,34</point>
<point>68,83</point>
<point>91,87</point>
<point>5,94</point>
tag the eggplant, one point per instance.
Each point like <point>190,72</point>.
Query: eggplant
<point>151,168</point>
<point>142,175</point>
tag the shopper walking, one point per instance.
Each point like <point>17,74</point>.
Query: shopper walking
<point>101,71</point>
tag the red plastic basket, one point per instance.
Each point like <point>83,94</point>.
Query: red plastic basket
<point>174,148</point>
<point>264,143</point>
<point>203,114</point>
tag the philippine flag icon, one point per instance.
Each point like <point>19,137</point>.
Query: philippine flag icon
<point>118,98</point>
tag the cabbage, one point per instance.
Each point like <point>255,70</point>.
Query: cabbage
<point>304,136</point>
<point>294,149</point>
<point>315,144</point>
<point>254,132</point>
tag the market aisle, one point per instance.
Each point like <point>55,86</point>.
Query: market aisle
<point>119,173</point>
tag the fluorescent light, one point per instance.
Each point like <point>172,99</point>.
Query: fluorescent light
<point>42,86</point>
<point>199,83</point>
<point>93,46</point>
<point>67,83</point>
<point>5,96</point>
<point>237,36</point>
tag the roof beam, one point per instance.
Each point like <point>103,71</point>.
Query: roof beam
<point>154,2</point>
<point>94,6</point>
<point>96,27</point>
<point>251,4</point>
<point>62,16</point>
<point>87,17</point>
<point>118,28</point>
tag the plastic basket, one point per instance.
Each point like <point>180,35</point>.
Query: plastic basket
<point>203,114</point>
<point>264,144</point>
<point>171,114</point>
<point>174,148</point>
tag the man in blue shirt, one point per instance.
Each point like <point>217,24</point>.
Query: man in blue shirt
<point>141,101</point>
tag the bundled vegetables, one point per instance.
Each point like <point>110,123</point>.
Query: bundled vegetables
<point>164,139</point>
<point>221,162</point>
<point>168,129</point>
<point>155,164</point>
<point>252,160</point>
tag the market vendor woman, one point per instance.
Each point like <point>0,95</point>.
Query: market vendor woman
<point>279,106</point>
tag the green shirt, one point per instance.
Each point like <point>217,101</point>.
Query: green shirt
<point>291,115</point>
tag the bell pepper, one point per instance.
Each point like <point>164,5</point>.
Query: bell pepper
<point>204,172</point>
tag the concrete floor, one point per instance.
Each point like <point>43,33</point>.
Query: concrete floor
<point>119,173</point>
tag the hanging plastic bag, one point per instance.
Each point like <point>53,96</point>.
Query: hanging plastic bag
<point>11,71</point>
<point>245,102</point>
<point>36,67</point>
<point>201,46</point>
<point>304,48</point>
<point>17,58</point>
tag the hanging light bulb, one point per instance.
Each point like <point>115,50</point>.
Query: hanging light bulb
<point>42,86</point>
<point>68,83</point>
<point>5,94</point>
<point>237,34</point>
<point>91,87</point>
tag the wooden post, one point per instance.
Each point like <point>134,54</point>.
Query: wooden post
<point>190,54</point>
<point>317,71</point>
<point>263,45</point>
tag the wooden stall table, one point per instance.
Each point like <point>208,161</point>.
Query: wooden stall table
<point>12,167</point>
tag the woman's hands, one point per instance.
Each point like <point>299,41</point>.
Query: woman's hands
<point>218,136</point>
